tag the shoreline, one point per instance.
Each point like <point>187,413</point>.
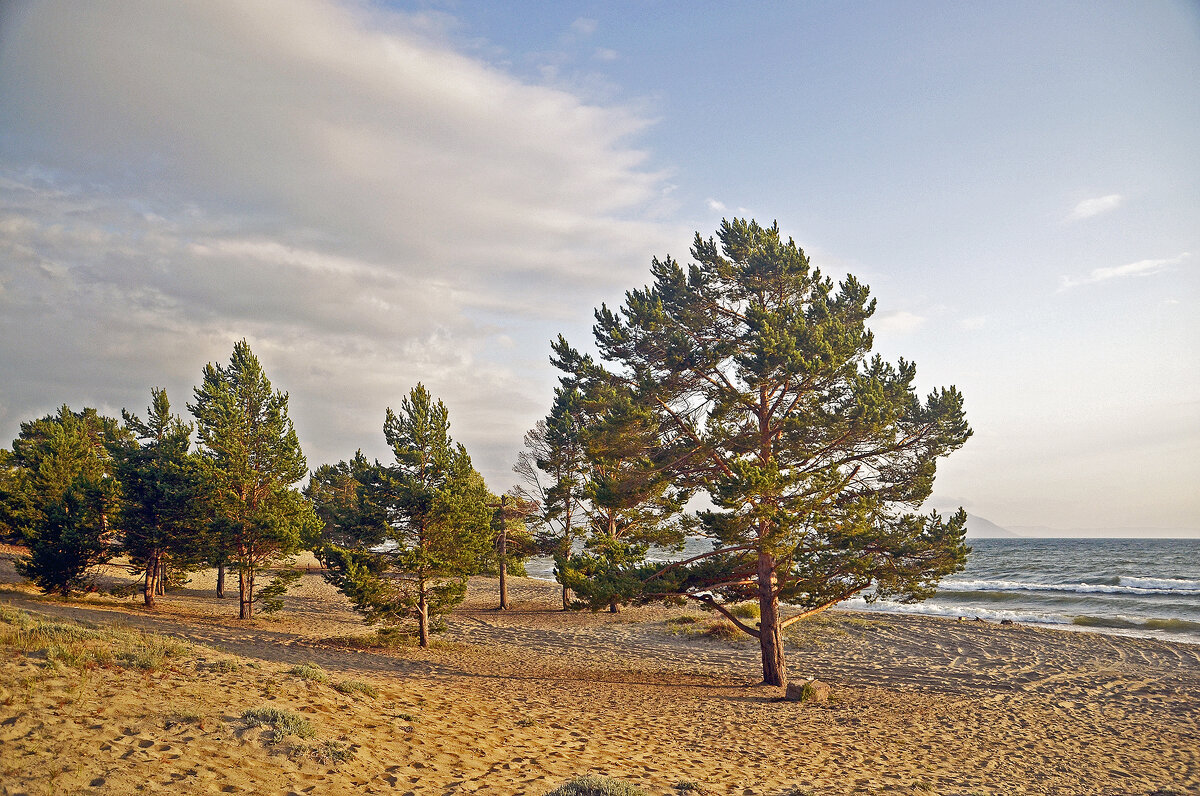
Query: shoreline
<point>520,701</point>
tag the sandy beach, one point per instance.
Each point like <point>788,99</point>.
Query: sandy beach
<point>519,702</point>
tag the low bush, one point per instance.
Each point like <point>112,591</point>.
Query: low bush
<point>356,687</point>
<point>283,723</point>
<point>309,671</point>
<point>746,610</point>
<point>595,785</point>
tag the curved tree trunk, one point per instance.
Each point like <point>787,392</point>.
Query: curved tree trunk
<point>221,580</point>
<point>770,639</point>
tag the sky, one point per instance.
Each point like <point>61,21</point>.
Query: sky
<point>376,194</point>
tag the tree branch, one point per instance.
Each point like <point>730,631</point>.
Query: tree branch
<point>708,600</point>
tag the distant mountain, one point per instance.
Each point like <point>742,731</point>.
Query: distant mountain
<point>977,527</point>
<point>980,528</point>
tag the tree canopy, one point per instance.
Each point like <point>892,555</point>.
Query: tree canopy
<point>62,495</point>
<point>410,532</point>
<point>252,460</point>
<point>754,372</point>
<point>163,513</point>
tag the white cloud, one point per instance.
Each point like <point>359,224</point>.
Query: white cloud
<point>901,322</point>
<point>605,54</point>
<point>1140,268</point>
<point>365,205</point>
<point>973,323</point>
<point>716,206</point>
<point>584,26</point>
<point>1095,206</point>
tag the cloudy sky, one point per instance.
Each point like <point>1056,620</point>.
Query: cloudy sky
<point>375,194</point>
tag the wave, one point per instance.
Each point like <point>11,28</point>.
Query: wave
<point>1181,629</point>
<point>955,611</point>
<point>1127,623</point>
<point>1172,584</point>
<point>1137,587</point>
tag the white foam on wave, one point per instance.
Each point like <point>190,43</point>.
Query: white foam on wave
<point>955,611</point>
<point>1138,587</point>
<point>1168,584</point>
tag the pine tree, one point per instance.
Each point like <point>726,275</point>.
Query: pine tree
<point>553,469</point>
<point>252,459</point>
<point>63,496</point>
<point>430,507</point>
<point>511,541</point>
<point>813,453</point>
<point>632,504</point>
<point>162,512</point>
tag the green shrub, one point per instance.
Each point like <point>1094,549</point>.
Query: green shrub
<point>356,687</point>
<point>724,630</point>
<point>309,671</point>
<point>746,610</point>
<point>225,666</point>
<point>595,785</point>
<point>330,752</point>
<point>685,619</point>
<point>282,722</point>
<point>76,646</point>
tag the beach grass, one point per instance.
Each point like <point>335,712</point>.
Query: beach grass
<point>76,646</point>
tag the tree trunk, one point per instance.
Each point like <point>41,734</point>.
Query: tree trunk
<point>160,587</point>
<point>422,615</point>
<point>770,638</point>
<point>503,558</point>
<point>613,608</point>
<point>150,587</point>
<point>221,579</point>
<point>566,595</point>
<point>245,593</point>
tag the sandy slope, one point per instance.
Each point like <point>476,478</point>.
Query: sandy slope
<point>519,701</point>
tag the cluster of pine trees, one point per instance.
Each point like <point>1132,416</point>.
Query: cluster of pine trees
<point>80,490</point>
<point>736,399</point>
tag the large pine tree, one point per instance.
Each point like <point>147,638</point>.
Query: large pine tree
<point>814,454</point>
<point>252,460</point>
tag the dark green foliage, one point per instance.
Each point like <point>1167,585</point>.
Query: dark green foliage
<point>595,785</point>
<point>61,495</point>
<point>629,498</point>
<point>251,460</point>
<point>511,541</point>
<point>347,518</point>
<point>553,469</point>
<point>753,373</point>
<point>11,498</point>
<point>430,507</point>
<point>163,515</point>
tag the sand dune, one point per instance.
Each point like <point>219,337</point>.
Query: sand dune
<point>517,702</point>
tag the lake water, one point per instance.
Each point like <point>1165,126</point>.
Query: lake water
<point>1142,587</point>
